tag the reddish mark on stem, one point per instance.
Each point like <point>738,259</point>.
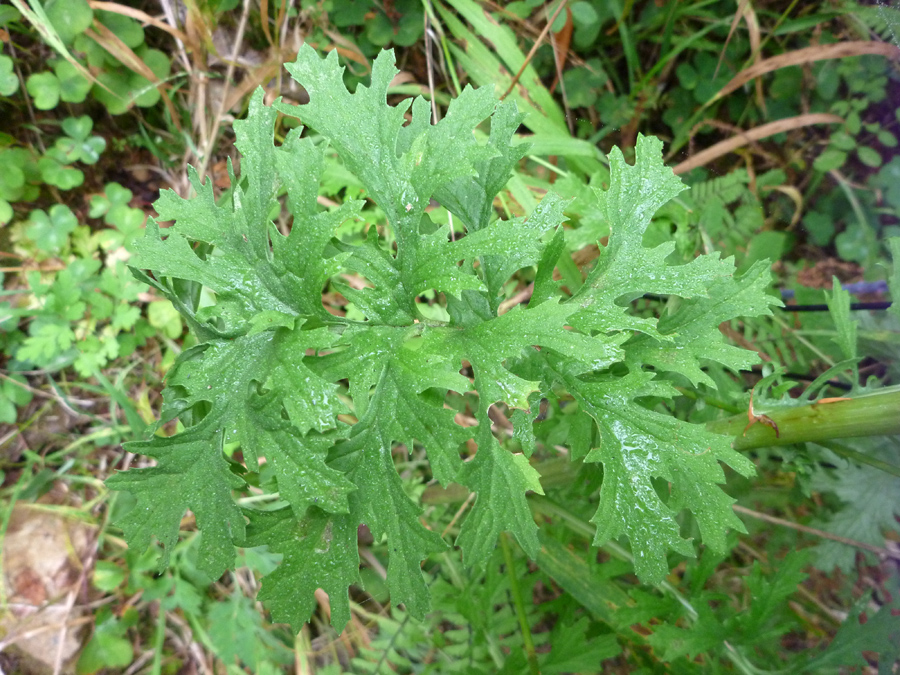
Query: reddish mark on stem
<point>836,399</point>
<point>762,419</point>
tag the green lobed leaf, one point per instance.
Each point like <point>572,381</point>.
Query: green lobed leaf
<point>769,598</point>
<point>625,268</point>
<point>402,166</point>
<point>870,503</point>
<point>691,333</point>
<point>329,403</point>
<point>191,473</point>
<point>859,634</point>
<point>500,480</point>
<point>572,650</point>
<point>319,552</point>
<point>638,445</point>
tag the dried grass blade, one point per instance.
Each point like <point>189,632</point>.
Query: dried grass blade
<point>734,24</point>
<point>138,15</point>
<point>38,18</point>
<point>755,134</point>
<point>808,55</point>
<point>264,20</point>
<point>114,45</point>
<point>253,79</point>
<point>534,48</point>
<point>756,49</point>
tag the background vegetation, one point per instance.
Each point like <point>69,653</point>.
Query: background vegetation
<point>782,116</point>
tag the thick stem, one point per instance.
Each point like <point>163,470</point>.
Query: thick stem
<point>876,414</point>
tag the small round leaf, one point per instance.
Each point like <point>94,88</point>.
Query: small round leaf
<point>69,17</point>
<point>832,158</point>
<point>868,156</point>
<point>73,86</point>
<point>49,231</point>
<point>9,83</point>
<point>44,89</point>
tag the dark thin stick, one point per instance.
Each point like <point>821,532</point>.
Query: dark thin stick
<point>534,48</point>
<point>854,306</point>
<point>881,552</point>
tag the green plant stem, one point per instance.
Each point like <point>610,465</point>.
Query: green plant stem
<point>132,416</point>
<point>159,639</point>
<point>871,243</point>
<point>875,414</point>
<point>533,666</point>
<point>860,457</point>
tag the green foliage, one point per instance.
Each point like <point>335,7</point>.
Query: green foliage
<point>726,213</point>
<point>84,317</point>
<point>9,81</point>
<point>50,232</point>
<point>299,425</point>
<point>17,179</point>
<point>894,244</point>
<point>69,17</point>
<point>270,363</point>
<point>400,23</point>
<point>108,646</point>
<point>238,635</point>
<point>87,65</point>
<point>868,506</point>
<point>860,634</point>
<point>26,171</point>
<point>126,221</point>
<point>759,624</point>
<point>13,393</point>
<point>227,623</point>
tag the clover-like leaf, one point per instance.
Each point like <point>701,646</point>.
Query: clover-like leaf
<point>50,231</point>
<point>44,89</point>
<point>69,17</point>
<point>80,146</point>
<point>114,207</point>
<point>12,179</point>
<point>9,81</point>
<point>55,172</point>
<point>6,211</point>
<point>78,128</point>
<point>73,86</point>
